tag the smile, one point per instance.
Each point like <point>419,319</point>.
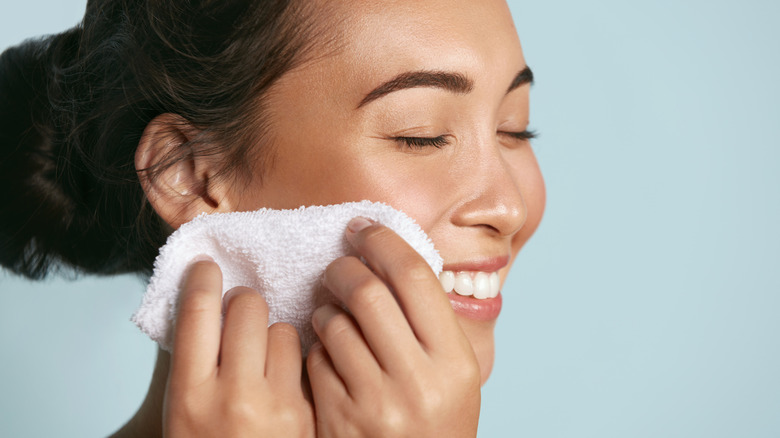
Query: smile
<point>478,284</point>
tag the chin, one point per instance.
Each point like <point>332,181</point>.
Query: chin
<point>480,335</point>
<point>485,368</point>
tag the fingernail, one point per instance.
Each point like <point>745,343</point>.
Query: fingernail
<point>358,224</point>
<point>225,300</point>
<point>322,315</point>
<point>317,317</point>
<point>201,258</point>
<point>324,279</point>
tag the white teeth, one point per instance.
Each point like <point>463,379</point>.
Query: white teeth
<point>480,285</point>
<point>495,285</point>
<point>463,284</point>
<point>447,279</point>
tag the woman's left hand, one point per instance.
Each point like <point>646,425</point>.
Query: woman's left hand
<point>399,364</point>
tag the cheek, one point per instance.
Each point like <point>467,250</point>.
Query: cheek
<point>531,183</point>
<point>324,174</point>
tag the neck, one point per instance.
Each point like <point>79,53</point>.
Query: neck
<point>147,422</point>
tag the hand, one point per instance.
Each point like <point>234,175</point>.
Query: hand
<point>400,364</point>
<point>243,380</point>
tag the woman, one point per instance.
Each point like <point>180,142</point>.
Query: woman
<point>118,131</point>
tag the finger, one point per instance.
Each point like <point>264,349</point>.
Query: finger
<point>381,321</point>
<point>283,363</point>
<point>196,331</point>
<point>327,388</point>
<point>347,349</point>
<point>417,288</point>
<point>245,333</point>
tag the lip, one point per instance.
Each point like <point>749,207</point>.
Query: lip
<point>478,310</point>
<point>470,307</point>
<point>492,264</point>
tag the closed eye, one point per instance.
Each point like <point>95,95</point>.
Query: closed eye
<point>442,140</point>
<point>423,142</point>
<point>522,136</point>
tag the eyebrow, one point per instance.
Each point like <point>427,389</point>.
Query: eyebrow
<point>454,82</point>
<point>526,76</point>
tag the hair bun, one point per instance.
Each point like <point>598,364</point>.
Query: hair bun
<point>36,212</point>
<point>74,107</point>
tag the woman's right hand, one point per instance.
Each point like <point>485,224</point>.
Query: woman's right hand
<point>243,379</point>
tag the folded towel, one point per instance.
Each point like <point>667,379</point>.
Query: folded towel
<point>280,253</point>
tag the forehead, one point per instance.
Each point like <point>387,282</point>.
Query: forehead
<point>405,31</point>
<point>377,40</point>
<point>424,34</point>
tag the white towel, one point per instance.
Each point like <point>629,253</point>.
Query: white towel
<point>280,253</point>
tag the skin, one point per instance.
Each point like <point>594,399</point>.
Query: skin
<point>481,196</point>
<point>401,362</point>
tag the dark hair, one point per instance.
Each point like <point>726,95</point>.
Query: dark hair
<point>73,108</point>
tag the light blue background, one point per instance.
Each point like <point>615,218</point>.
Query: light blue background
<point>648,303</point>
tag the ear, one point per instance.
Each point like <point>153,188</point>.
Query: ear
<point>178,192</point>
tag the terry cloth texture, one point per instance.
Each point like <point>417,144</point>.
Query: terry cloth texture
<point>280,253</point>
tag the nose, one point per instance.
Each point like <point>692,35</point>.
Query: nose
<point>494,197</point>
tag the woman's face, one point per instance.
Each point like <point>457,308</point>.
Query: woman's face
<point>416,108</point>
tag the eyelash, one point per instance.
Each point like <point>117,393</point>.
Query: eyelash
<point>522,136</point>
<point>423,142</point>
<point>441,141</point>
